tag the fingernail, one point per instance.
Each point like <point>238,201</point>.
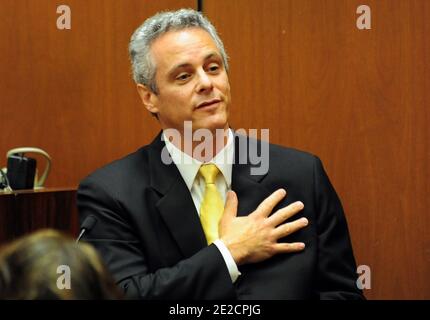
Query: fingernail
<point>305,221</point>
<point>300,205</point>
<point>283,191</point>
<point>301,245</point>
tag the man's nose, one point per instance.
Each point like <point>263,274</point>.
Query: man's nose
<point>204,82</point>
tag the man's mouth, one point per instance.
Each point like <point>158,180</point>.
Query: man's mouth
<point>208,103</point>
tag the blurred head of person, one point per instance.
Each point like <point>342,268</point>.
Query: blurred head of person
<point>50,265</point>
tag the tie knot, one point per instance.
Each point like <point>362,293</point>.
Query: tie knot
<point>209,172</point>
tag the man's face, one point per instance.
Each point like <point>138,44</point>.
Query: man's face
<point>191,80</point>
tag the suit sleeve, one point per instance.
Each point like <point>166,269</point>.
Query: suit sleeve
<point>201,276</point>
<point>336,264</point>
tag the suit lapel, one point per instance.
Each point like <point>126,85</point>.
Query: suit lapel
<point>248,187</point>
<point>175,205</point>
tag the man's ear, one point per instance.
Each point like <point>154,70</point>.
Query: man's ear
<point>149,98</point>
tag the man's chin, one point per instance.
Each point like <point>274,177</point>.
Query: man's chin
<point>210,125</point>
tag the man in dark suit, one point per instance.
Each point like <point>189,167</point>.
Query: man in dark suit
<point>204,225</point>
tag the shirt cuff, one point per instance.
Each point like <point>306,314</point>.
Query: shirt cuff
<point>229,261</point>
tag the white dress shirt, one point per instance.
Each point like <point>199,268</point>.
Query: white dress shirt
<point>189,168</point>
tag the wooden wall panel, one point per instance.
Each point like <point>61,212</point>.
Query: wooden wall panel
<point>357,98</point>
<point>70,92</point>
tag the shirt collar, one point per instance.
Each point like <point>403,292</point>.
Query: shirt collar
<point>189,167</point>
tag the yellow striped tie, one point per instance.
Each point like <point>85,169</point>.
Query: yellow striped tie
<point>212,206</point>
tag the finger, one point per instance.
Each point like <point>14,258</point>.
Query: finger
<point>289,247</point>
<point>285,213</point>
<point>266,207</point>
<point>230,208</point>
<point>288,228</point>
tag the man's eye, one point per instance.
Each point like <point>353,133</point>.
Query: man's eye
<point>213,67</point>
<point>182,76</point>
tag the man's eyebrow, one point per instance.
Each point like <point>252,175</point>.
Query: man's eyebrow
<point>211,55</point>
<point>187,64</point>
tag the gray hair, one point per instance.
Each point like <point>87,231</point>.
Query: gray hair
<point>143,65</point>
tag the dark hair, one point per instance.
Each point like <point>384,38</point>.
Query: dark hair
<point>29,269</point>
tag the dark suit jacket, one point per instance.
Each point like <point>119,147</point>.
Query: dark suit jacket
<point>149,233</point>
